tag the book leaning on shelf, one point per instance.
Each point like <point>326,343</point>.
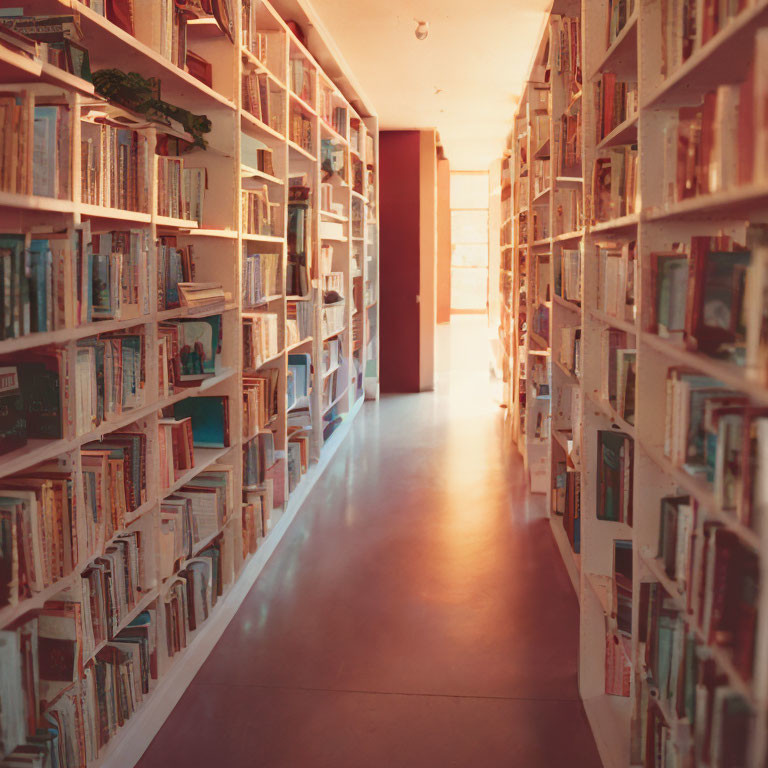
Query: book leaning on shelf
<point>188,350</point>
<point>260,216</point>
<point>263,99</point>
<point>614,184</point>
<point>180,190</point>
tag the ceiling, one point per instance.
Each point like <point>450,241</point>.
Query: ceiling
<point>464,79</point>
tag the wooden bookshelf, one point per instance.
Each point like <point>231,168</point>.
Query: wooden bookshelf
<point>220,243</point>
<point>664,71</point>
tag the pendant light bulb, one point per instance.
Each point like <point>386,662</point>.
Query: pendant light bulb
<point>422,29</point>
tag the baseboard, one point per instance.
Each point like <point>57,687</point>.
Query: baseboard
<point>130,742</point>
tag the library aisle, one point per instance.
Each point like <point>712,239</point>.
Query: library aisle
<point>401,622</point>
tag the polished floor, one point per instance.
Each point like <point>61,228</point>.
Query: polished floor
<point>416,614</point>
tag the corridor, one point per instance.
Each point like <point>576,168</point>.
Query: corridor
<point>416,614</point>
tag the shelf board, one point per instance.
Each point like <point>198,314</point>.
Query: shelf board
<point>247,172</point>
<point>303,105</point>
<point>542,342</point>
<point>337,332</point>
<point>569,305</point>
<point>729,374</point>
<point>261,67</point>
<point>570,374</point>
<point>294,147</point>
<point>623,50</point>
<point>172,222</point>
<point>334,134</point>
<point>575,235</point>
<point>204,458</point>
<point>610,413</point>
<point>305,340</point>
<point>299,298</point>
<point>327,373</point>
<point>107,43</point>
<point>721,59</point>
<point>623,222</point>
<point>327,408</point>
<point>334,216</point>
<point>224,234</point>
<point>569,180</point>
<point>623,133</point>
<point>543,149</point>
<point>739,203</point>
<point>627,326</point>
<point>261,238</point>
<point>250,122</point>
<point>263,301</point>
<point>610,717</point>
<point>118,214</point>
<point>201,311</point>
<point>543,241</point>
<point>541,195</point>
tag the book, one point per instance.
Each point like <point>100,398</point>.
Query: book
<point>615,453</point>
<point>260,339</point>
<point>210,419</point>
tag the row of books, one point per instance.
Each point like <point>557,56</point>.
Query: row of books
<point>566,500</point>
<point>619,13</point>
<point>114,484</point>
<point>615,187</point>
<point>32,279</point>
<point>570,348</point>
<point>298,457</point>
<point>111,273</point>
<point>618,372</point>
<point>109,378</point>
<point>261,277</point>
<point>258,459</point>
<point>689,24</point>
<point>568,142</point>
<point>268,46</point>
<point>39,543</point>
<point>566,55</point>
<point>299,320</point>
<point>336,117</point>
<point>714,433</point>
<point>175,266</point>
<point>180,190</point>
<point>264,100</point>
<point>569,210</point>
<point>261,341</point>
<point>688,685</point>
<point>617,102</point>
<point>260,406</point>
<point>114,165</point>
<point>300,130</point>
<point>59,710</point>
<point>568,277</point>
<point>617,278</point>
<point>260,215</point>
<point>302,78</point>
<point>708,294</point>
<point>192,515</point>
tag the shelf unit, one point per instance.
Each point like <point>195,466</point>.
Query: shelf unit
<point>220,244</point>
<point>637,54</point>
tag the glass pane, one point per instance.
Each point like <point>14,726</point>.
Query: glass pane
<point>469,226</point>
<point>469,288</point>
<point>469,190</point>
<point>469,255</point>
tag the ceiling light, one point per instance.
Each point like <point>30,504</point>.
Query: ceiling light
<point>422,29</point>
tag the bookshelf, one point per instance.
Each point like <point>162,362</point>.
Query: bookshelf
<point>664,107</point>
<point>169,438</point>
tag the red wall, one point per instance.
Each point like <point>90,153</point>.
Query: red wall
<point>399,264</point>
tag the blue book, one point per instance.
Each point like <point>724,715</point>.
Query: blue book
<point>210,420</point>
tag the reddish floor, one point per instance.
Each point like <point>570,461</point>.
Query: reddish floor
<point>416,614</point>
